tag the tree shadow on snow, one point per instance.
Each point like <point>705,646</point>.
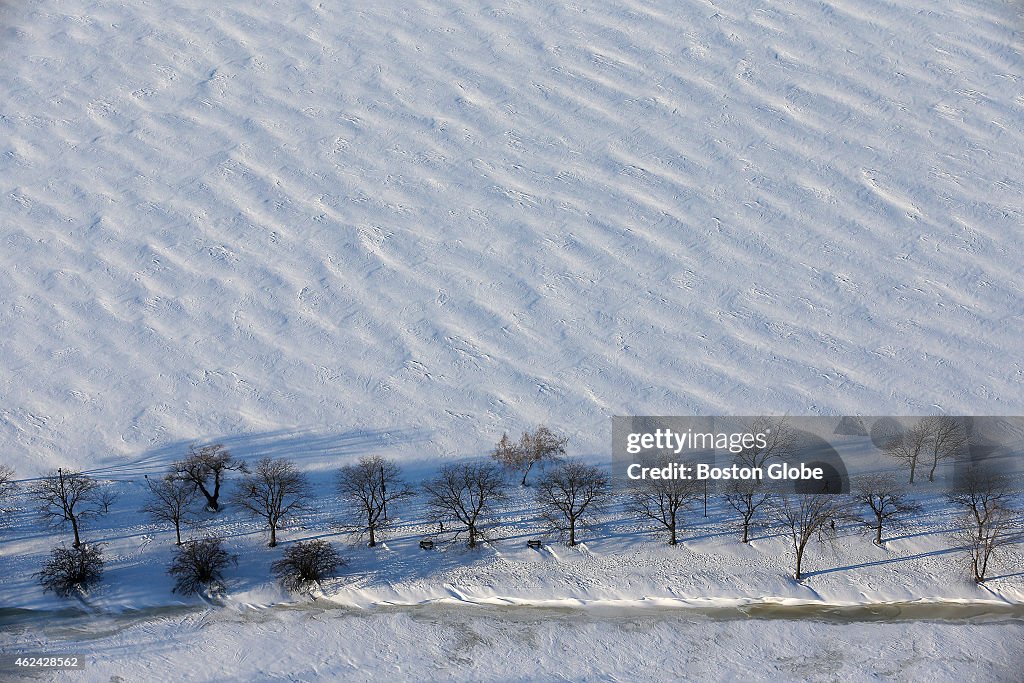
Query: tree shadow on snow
<point>892,560</point>
<point>306,447</point>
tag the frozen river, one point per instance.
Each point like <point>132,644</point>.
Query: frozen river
<point>443,642</point>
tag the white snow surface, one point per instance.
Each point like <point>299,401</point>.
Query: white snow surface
<point>528,645</point>
<point>451,219</point>
<point>321,230</point>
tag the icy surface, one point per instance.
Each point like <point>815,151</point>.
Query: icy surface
<point>529,645</point>
<point>457,218</point>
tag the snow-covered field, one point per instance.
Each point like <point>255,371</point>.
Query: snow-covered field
<point>322,230</point>
<point>457,218</point>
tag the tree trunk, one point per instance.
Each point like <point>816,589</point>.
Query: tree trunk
<point>672,529</point>
<point>216,491</point>
<point>986,551</point>
<point>273,535</point>
<point>74,527</point>
<point>799,561</point>
<point>931,475</point>
<point>472,536</point>
<point>913,466</point>
<point>572,532</point>
<point>526,473</point>
<point>211,499</point>
<point>370,525</point>
<point>177,531</point>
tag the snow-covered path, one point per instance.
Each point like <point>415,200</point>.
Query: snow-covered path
<point>466,644</point>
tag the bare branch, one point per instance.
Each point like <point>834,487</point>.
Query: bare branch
<point>69,497</point>
<point>907,448</point>
<point>170,500</point>
<point>72,570</point>
<point>206,468</point>
<point>990,525</point>
<point>8,487</point>
<point>948,440</point>
<point>664,501</point>
<point>780,442</point>
<point>886,499</point>
<point>804,516</point>
<point>275,490</point>
<point>367,489</point>
<point>747,497</point>
<point>198,566</point>
<point>570,494</point>
<point>305,564</point>
<point>537,447</point>
<point>466,493</point>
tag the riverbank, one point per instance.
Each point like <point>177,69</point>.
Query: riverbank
<point>474,643</point>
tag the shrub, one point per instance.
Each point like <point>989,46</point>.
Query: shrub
<point>72,570</point>
<point>306,564</point>
<point>198,566</point>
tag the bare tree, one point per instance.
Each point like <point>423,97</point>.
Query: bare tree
<point>366,489</point>
<point>273,491</point>
<point>170,500</point>
<point>990,524</point>
<point>885,498</point>
<point>948,438</point>
<point>908,447</point>
<point>306,564</point>
<point>206,469</point>
<point>8,487</point>
<point>747,497</point>
<point>779,442</point>
<point>72,570</point>
<point>108,496</point>
<point>198,566</point>
<point>664,501</point>
<point>541,445</point>
<point>570,494</point>
<point>69,497</point>
<point>467,493</point>
<point>804,516</point>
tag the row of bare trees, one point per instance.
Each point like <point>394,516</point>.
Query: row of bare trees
<point>989,524</point>
<point>568,494</point>
<point>273,490</point>
<point>927,443</point>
